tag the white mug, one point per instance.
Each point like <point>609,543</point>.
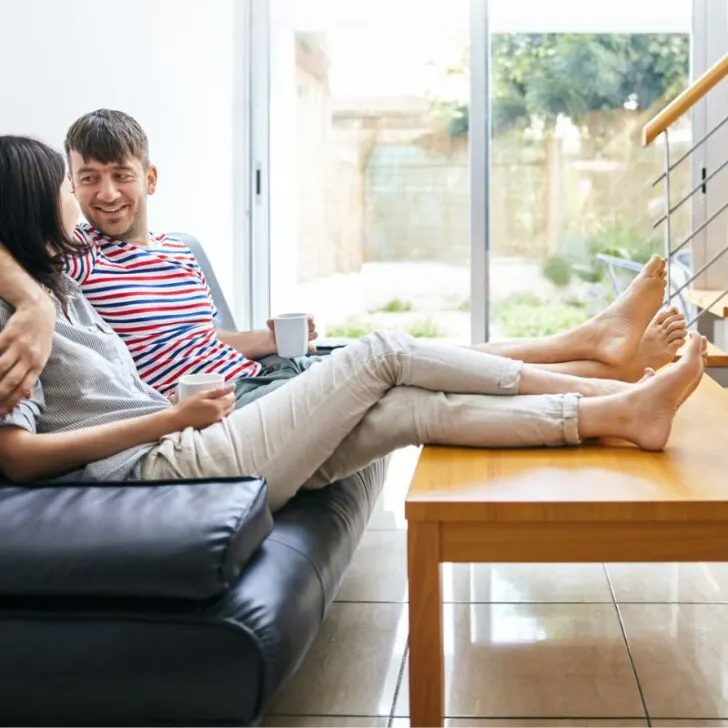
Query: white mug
<point>190,384</point>
<point>291,331</point>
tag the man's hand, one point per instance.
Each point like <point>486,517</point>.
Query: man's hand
<point>25,345</point>
<point>312,333</point>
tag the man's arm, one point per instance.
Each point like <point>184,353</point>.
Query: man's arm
<point>25,341</point>
<point>251,344</point>
<point>257,344</point>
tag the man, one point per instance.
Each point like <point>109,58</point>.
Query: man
<point>150,289</point>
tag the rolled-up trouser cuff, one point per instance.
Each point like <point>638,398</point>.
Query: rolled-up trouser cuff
<point>571,419</point>
<point>510,377</point>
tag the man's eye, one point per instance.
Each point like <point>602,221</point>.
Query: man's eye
<point>124,177</point>
<point>86,180</point>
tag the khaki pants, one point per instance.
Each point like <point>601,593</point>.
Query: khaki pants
<point>373,396</point>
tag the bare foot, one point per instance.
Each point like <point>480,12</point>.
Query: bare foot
<point>663,337</point>
<point>651,406</point>
<point>616,333</point>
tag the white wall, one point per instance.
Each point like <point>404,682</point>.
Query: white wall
<point>175,65</point>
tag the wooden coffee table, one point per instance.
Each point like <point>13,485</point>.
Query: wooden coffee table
<point>605,501</point>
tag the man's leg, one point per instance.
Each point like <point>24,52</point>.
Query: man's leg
<point>664,336</point>
<point>612,337</point>
<point>277,371</point>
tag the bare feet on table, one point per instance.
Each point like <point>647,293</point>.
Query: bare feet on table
<point>649,407</point>
<point>664,336</point>
<point>615,335</point>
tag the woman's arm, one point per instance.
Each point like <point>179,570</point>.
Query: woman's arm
<point>25,341</point>
<point>27,456</point>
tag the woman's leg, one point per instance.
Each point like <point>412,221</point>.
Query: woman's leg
<point>409,416</point>
<point>290,434</point>
<point>412,416</point>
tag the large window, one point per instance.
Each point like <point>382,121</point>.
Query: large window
<point>570,181</point>
<point>388,204</point>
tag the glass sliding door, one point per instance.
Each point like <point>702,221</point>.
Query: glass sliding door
<point>571,85</point>
<point>363,168</point>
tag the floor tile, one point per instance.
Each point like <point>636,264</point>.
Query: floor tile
<point>533,722</point>
<point>679,655</point>
<point>353,666</point>
<point>689,723</point>
<point>535,660</point>
<point>525,583</point>
<point>378,572</point>
<point>389,511</point>
<point>704,582</point>
<point>324,721</point>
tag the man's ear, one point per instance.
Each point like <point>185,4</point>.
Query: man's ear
<point>151,179</point>
<point>70,179</point>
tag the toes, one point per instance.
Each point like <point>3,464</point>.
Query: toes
<point>655,266</point>
<point>649,373</point>
<point>662,316</point>
<point>695,342</point>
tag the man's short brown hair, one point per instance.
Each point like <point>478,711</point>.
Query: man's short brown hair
<point>108,136</point>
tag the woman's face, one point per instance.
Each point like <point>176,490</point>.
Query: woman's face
<point>69,207</point>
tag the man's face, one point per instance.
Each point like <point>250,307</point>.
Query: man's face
<point>113,197</point>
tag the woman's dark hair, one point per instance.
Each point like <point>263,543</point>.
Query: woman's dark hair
<point>31,224</point>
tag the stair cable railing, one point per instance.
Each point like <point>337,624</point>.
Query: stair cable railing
<point>659,126</point>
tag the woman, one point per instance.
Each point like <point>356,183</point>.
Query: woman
<point>90,416</point>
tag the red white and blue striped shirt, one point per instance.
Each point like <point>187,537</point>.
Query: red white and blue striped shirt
<point>157,300</point>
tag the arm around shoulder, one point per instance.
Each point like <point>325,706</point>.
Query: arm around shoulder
<point>26,337</point>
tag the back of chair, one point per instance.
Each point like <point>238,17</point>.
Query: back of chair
<point>225,318</point>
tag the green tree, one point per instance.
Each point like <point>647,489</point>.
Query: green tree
<point>541,76</point>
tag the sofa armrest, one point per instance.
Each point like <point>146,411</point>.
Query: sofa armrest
<point>182,539</point>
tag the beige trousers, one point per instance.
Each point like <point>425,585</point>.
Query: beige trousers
<point>373,396</point>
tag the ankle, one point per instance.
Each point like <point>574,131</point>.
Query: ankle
<point>607,416</point>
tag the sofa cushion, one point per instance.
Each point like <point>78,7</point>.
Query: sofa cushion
<point>211,662</point>
<point>187,539</point>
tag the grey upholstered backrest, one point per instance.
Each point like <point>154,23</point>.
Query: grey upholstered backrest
<point>225,318</point>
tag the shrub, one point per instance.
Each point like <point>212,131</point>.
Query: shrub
<point>525,315</point>
<point>558,270</point>
<point>351,328</point>
<point>396,305</point>
<point>426,328</point>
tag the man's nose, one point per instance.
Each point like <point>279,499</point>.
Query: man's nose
<point>107,191</point>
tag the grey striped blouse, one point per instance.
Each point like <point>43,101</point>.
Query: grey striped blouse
<point>90,380</point>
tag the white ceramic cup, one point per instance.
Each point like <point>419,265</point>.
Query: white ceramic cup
<point>291,331</point>
<point>190,384</point>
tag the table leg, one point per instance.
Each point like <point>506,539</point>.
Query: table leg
<point>426,658</point>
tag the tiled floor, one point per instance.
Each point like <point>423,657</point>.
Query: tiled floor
<point>526,645</point>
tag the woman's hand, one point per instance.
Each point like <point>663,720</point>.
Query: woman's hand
<point>204,408</point>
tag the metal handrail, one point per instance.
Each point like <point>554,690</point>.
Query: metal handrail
<point>702,183</point>
<point>659,125</point>
<point>697,230</point>
<point>702,270</point>
<point>674,165</point>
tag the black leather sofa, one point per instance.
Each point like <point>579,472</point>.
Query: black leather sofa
<point>165,603</point>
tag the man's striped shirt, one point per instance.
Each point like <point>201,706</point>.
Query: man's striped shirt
<point>157,300</point>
